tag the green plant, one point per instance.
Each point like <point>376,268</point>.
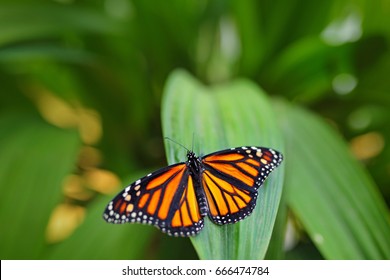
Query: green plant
<point>237,114</point>
<point>82,89</point>
<point>325,189</point>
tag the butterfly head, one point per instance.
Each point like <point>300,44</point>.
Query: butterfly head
<point>193,162</point>
<point>191,155</point>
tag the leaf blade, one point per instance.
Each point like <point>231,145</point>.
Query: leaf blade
<point>328,183</point>
<point>222,117</point>
<point>29,191</point>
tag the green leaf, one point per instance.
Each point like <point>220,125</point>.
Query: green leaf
<point>30,53</point>
<point>35,158</point>
<point>276,246</point>
<point>209,119</point>
<point>30,21</point>
<point>330,193</point>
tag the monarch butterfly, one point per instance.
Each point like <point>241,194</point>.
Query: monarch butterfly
<point>222,185</point>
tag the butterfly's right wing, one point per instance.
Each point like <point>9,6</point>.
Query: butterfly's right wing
<point>231,178</point>
<point>165,198</point>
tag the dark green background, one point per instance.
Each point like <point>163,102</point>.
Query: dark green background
<point>114,58</point>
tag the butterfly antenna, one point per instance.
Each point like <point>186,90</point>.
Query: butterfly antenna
<point>193,137</point>
<point>167,138</point>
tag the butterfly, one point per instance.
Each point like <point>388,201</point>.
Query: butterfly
<point>175,199</point>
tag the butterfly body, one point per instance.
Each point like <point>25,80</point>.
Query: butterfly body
<point>222,185</point>
<point>196,169</point>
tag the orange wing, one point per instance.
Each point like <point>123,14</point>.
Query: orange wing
<point>165,198</point>
<point>231,178</point>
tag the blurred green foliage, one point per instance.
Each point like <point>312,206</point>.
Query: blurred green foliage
<point>82,84</point>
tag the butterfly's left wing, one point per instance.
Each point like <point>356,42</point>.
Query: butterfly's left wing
<point>165,199</point>
<point>230,180</point>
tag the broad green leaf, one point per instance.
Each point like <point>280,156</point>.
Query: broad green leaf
<point>35,158</point>
<point>330,193</point>
<point>209,119</point>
